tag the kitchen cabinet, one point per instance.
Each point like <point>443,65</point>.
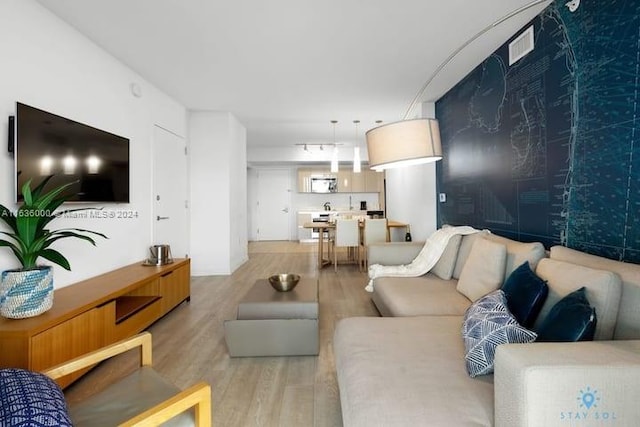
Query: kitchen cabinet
<point>358,182</point>
<point>344,182</point>
<point>304,180</point>
<point>349,182</point>
<point>367,181</point>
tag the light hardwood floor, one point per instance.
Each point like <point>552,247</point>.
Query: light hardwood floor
<point>255,391</point>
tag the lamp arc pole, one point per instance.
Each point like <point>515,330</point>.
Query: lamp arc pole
<point>417,141</point>
<point>455,53</point>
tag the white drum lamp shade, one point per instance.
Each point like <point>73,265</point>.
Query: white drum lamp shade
<point>404,143</point>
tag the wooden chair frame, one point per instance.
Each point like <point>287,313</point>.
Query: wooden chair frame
<point>198,396</point>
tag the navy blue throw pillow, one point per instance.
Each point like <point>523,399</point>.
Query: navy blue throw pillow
<point>31,399</point>
<point>526,293</point>
<point>571,319</point>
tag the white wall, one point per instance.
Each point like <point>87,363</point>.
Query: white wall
<point>49,65</point>
<point>218,192</point>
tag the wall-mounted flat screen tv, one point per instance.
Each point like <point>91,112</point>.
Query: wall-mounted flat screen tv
<point>47,144</point>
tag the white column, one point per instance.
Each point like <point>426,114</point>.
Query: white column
<point>217,152</point>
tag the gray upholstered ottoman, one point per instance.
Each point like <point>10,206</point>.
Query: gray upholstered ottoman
<point>272,323</point>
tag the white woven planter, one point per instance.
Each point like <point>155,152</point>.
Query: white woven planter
<point>26,293</point>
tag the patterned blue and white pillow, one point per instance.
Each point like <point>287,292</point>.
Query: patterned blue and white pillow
<point>31,399</point>
<point>487,324</point>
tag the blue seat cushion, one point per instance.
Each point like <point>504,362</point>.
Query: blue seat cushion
<point>31,399</point>
<point>526,293</point>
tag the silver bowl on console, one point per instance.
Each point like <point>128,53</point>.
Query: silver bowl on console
<point>284,282</point>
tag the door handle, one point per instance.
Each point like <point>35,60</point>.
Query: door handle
<point>285,210</point>
<point>158,218</point>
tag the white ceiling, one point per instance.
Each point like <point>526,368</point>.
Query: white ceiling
<point>286,68</point>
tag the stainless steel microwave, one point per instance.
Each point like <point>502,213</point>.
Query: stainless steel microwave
<point>324,185</point>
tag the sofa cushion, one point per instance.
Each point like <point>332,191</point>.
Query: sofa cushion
<point>603,290</point>
<point>391,371</point>
<point>418,296</point>
<point>484,270</point>
<point>486,325</point>
<point>525,294</point>
<point>571,319</point>
<point>519,252</point>
<point>465,249</point>
<point>31,399</point>
<point>628,323</point>
<point>447,262</point>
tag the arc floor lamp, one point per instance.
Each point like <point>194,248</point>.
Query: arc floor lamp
<point>417,141</point>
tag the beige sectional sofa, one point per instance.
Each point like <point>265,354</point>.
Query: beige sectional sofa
<point>407,368</point>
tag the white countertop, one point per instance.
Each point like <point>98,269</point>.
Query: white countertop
<point>334,211</point>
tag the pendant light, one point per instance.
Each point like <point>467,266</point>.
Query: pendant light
<point>357,164</point>
<point>334,158</point>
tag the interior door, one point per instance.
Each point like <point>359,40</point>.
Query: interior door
<point>274,201</point>
<point>170,208</point>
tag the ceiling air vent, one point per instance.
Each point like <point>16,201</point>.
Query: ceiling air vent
<point>520,46</point>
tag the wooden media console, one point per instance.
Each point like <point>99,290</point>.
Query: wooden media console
<point>93,313</point>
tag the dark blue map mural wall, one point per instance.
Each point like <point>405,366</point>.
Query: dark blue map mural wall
<point>548,149</point>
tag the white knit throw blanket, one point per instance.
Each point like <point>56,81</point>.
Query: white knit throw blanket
<point>424,261</point>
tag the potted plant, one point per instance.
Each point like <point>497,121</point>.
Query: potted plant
<point>28,291</point>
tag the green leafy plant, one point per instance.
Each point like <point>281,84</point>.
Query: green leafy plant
<point>29,239</point>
